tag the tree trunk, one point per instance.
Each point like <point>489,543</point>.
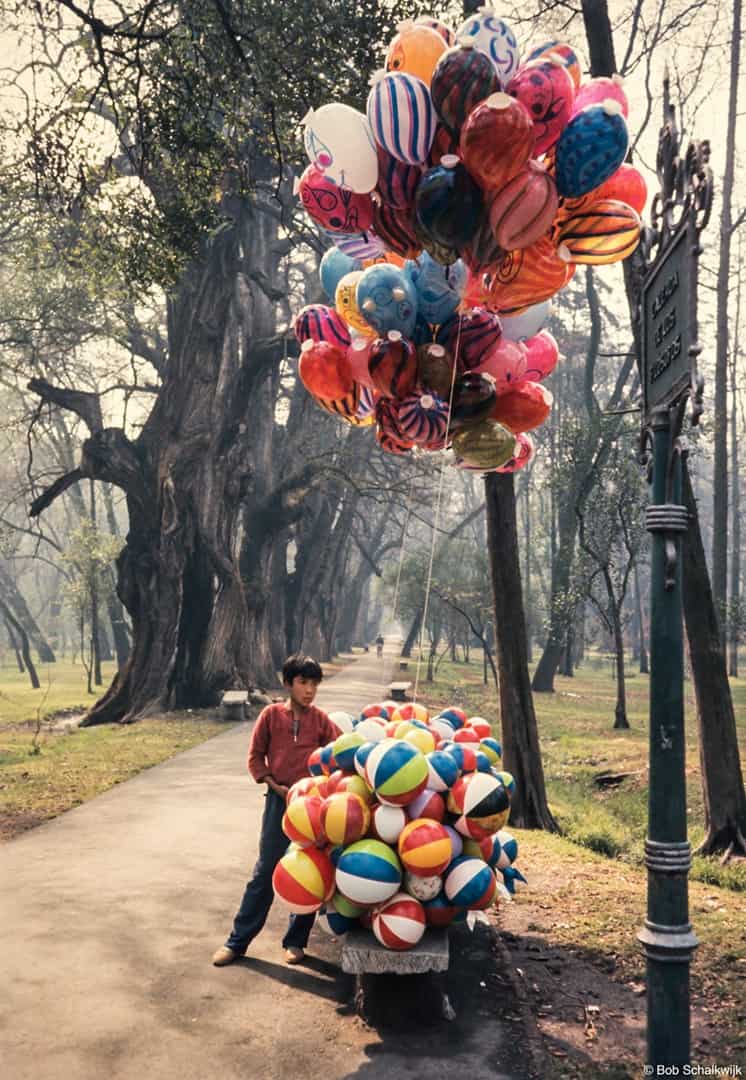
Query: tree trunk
<point>642,649</point>
<point>114,606</point>
<point>10,620</point>
<point>720,415</point>
<point>520,734</point>
<point>414,633</point>
<point>734,607</point>
<point>620,710</point>
<point>551,657</point>
<point>720,763</point>
<point>14,646</point>
<point>16,601</point>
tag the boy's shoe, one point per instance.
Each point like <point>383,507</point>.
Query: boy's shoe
<point>294,955</point>
<point>224,955</point>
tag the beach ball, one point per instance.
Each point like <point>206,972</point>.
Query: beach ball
<point>336,208</point>
<point>317,322</point>
<point>393,365</point>
<point>496,141</point>
<point>565,52</point>
<point>397,181</point>
<point>428,804</point>
<point>523,408</point>
<point>442,727</point>
<point>470,883</point>
<point>493,37</point>
<point>442,771</point>
<point>463,77</point>
<point>401,116</point>
<point>342,720</point>
<point>411,710</point>
<point>489,849</point>
<point>448,204</point>
<point>454,715</point>
<point>368,872</point>
<point>602,88</point>
<point>399,923</point>
<point>303,879</point>
<point>424,847</point>
<point>424,740</point>
<point>314,763</point>
<point>481,802</point>
<point>606,231</point>
<point>591,149</point>
<point>333,781</point>
<point>528,324</point>
<point>415,50</point>
<point>457,841</point>
<point>386,299</point>
<point>509,848</point>
<point>302,821</point>
<point>440,911</point>
<point>468,736</point>
<point>397,772</point>
<point>326,758</point>
<point>386,822</point>
<point>507,778</point>
<point>524,209</point>
<point>345,747</point>
<point>308,785</point>
<point>333,267</point>
<point>542,356</point>
<point>357,786</point>
<point>371,729</point>
<point>438,288</point>
<point>483,762</point>
<point>340,144</point>
<point>491,748</point>
<point>361,756</point>
<point>331,922</point>
<point>345,907</point>
<point>463,755</point>
<point>482,727</point>
<point>345,817</point>
<point>422,888</point>
<point>546,91</point>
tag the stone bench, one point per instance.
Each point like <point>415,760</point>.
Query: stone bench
<point>234,703</point>
<point>398,690</point>
<point>362,954</point>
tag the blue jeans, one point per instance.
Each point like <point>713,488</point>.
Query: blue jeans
<point>259,894</point>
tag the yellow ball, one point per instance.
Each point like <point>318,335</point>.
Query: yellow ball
<point>345,301</point>
<point>423,740</point>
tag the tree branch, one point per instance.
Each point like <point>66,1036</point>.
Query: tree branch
<point>86,405</point>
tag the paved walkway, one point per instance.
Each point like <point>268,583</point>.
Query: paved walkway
<point>109,915</point>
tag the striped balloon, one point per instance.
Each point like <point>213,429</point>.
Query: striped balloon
<point>301,821</point>
<point>345,407</point>
<point>363,245</point>
<point>397,181</point>
<point>468,337</point>
<point>318,322</point>
<point>396,230</point>
<point>424,847</point>
<point>421,418</point>
<point>470,883</point>
<point>391,444</point>
<point>345,817</point>
<point>397,772</point>
<point>463,77</point>
<point>525,208</point>
<point>303,879</point>
<point>368,872</point>
<point>591,149</point>
<point>526,276</point>
<point>483,253</point>
<point>605,232</point>
<point>402,117</point>
<point>400,922</point>
<point>435,24</point>
<point>393,365</point>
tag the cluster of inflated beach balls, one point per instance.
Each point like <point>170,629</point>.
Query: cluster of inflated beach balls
<point>400,824</point>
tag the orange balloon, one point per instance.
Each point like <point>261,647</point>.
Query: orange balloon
<point>606,231</point>
<point>415,50</point>
<point>324,370</point>
<point>345,407</point>
<point>627,185</point>
<point>526,277</point>
<point>524,408</point>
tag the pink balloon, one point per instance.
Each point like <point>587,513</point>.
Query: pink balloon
<point>522,454</point>
<point>542,356</point>
<point>506,363</point>
<point>358,355</point>
<point>596,91</point>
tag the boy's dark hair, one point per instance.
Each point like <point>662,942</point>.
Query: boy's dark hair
<point>298,664</point>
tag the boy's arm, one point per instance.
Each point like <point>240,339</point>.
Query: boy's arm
<point>258,748</point>
<point>329,730</point>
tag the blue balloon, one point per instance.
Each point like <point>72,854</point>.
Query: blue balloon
<point>387,300</point>
<point>590,149</point>
<point>334,265</point>
<point>438,288</point>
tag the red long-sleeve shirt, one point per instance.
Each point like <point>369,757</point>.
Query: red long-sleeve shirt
<point>280,745</point>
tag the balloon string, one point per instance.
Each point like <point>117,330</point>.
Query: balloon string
<point>408,508</point>
<point>436,519</point>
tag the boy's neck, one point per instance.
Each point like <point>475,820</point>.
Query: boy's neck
<point>296,709</point>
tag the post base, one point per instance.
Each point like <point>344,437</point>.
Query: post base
<point>668,944</point>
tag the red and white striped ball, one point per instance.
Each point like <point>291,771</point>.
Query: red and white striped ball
<point>482,727</point>
<point>387,822</point>
<point>456,716</point>
<point>308,785</point>
<point>303,880</point>
<point>345,818</point>
<point>429,804</point>
<point>302,822</point>
<point>467,736</point>
<point>333,781</point>
<point>424,847</point>
<point>412,710</point>
<point>377,709</point>
<point>400,922</point>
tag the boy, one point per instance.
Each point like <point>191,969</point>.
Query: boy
<point>283,737</point>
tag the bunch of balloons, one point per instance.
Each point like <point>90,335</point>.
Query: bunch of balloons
<point>458,205</point>
<point>399,825</point>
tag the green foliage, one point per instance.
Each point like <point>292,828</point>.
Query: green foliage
<point>89,556</point>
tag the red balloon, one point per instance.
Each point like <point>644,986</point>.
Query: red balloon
<point>393,365</point>
<point>524,408</point>
<point>358,356</point>
<point>546,90</point>
<point>596,91</point>
<point>324,370</point>
<point>523,211</point>
<point>444,143</point>
<point>496,141</point>
<point>506,363</point>
<point>334,207</point>
<point>524,451</point>
<point>542,356</point>
<point>627,185</point>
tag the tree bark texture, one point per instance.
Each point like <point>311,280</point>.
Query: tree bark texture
<point>520,733</point>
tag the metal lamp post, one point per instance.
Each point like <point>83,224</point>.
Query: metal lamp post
<point>670,349</point>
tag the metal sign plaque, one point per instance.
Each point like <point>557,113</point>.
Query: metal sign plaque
<point>669,320</point>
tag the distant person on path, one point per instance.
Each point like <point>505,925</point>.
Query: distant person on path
<point>283,737</point>
<point>379,645</point>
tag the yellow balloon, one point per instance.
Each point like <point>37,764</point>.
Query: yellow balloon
<point>345,301</point>
<point>415,50</point>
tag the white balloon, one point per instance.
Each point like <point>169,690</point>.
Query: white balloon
<point>529,322</point>
<point>342,720</point>
<point>495,39</point>
<point>339,142</point>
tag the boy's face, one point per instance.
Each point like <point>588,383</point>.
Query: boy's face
<point>302,690</point>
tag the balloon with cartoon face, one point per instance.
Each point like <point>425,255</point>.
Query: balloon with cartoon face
<point>415,50</point>
<point>386,299</point>
<point>495,39</point>
<point>340,144</point>
<point>345,301</point>
<point>438,287</point>
<point>336,208</point>
<point>546,91</point>
<point>565,52</point>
